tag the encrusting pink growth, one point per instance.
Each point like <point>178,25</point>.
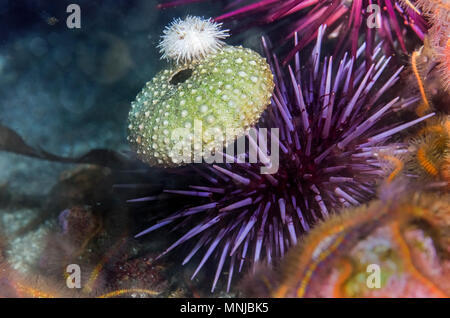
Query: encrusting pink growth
<point>393,247</point>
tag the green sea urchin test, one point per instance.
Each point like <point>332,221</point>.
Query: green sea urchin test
<point>187,111</point>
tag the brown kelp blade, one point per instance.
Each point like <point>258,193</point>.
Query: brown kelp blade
<point>11,141</point>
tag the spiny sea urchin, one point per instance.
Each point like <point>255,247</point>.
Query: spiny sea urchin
<point>187,111</point>
<point>191,39</point>
<point>329,129</point>
<point>385,18</point>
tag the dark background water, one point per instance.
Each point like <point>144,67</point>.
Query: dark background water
<point>69,90</point>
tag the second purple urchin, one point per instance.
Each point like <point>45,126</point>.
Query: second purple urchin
<point>386,20</point>
<point>333,117</point>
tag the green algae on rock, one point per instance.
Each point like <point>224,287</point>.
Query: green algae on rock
<point>224,92</point>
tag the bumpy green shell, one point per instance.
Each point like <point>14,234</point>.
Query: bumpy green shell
<point>228,89</point>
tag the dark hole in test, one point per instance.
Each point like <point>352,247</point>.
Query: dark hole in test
<point>181,76</point>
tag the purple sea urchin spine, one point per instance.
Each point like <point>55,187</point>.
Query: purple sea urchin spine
<point>330,130</point>
<point>349,18</point>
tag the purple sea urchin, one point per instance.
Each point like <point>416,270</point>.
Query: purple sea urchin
<point>329,131</point>
<point>385,18</point>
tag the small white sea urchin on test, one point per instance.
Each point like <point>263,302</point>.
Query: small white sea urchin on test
<point>191,39</point>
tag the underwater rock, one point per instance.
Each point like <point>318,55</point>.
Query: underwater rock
<point>392,248</point>
<point>110,263</point>
<point>77,226</point>
<point>23,248</point>
<point>139,272</point>
<point>83,185</point>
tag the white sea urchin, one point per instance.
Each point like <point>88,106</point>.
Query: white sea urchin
<point>191,39</point>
